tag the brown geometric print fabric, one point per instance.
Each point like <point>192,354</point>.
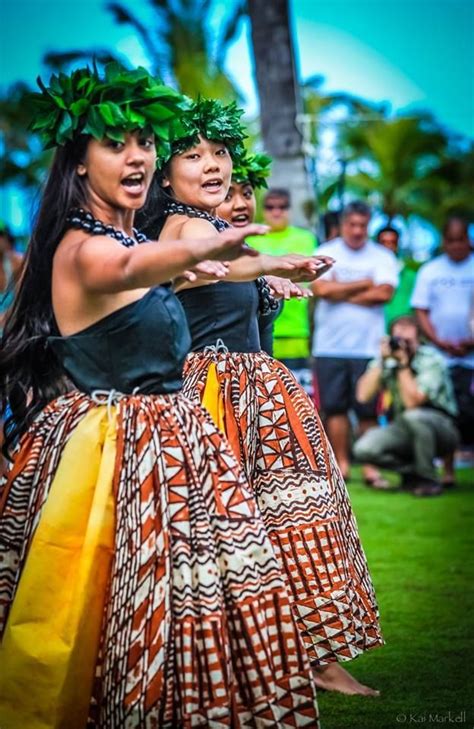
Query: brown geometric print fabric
<point>198,630</point>
<point>276,433</point>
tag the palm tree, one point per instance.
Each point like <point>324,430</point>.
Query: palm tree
<point>452,185</point>
<point>394,161</point>
<point>329,111</point>
<point>280,99</point>
<point>179,41</point>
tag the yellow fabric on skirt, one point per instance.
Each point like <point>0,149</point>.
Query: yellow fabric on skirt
<point>51,641</point>
<point>212,399</point>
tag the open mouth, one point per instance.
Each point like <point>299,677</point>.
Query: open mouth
<point>214,185</point>
<point>240,220</point>
<point>134,182</point>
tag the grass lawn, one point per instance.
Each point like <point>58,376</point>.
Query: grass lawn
<point>420,552</point>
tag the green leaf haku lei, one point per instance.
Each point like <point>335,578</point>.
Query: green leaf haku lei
<point>110,106</point>
<point>254,169</point>
<point>212,120</point>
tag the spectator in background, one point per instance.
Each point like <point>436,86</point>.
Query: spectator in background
<point>349,323</point>
<point>10,266</point>
<point>443,299</point>
<point>291,334</point>
<point>332,225</point>
<point>423,406</point>
<point>399,306</point>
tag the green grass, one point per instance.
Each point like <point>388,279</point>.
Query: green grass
<point>420,553</point>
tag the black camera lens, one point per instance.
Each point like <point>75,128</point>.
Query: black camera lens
<point>395,343</point>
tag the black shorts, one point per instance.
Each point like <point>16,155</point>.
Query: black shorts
<point>336,379</point>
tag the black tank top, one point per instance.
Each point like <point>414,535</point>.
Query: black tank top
<point>225,310</point>
<point>138,348</point>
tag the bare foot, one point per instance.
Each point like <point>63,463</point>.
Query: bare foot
<point>370,473</point>
<point>333,677</point>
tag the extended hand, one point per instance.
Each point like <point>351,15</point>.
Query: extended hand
<point>207,271</point>
<point>230,244</point>
<point>283,288</point>
<point>307,268</point>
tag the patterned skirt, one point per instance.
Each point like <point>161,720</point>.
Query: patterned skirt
<point>136,578</point>
<point>275,432</point>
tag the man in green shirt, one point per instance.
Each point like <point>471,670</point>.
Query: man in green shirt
<point>291,343</point>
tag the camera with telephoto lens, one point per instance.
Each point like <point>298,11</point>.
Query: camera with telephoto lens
<point>396,343</point>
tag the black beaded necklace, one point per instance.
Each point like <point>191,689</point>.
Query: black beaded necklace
<point>81,219</point>
<point>267,303</point>
<point>176,208</point>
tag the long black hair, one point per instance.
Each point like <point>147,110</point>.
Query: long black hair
<point>152,217</point>
<point>30,375</point>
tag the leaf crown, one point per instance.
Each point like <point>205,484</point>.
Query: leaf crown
<point>214,121</point>
<point>120,101</point>
<point>254,169</point>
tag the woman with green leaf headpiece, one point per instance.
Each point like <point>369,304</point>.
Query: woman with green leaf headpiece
<point>269,420</point>
<point>138,587</point>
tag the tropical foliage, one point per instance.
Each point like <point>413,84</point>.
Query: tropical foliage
<point>404,164</point>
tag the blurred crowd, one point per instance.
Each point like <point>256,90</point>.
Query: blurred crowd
<point>387,348</point>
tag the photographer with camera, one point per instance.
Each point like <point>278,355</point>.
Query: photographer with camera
<point>422,404</point>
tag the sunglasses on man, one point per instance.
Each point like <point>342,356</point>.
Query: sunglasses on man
<point>276,206</point>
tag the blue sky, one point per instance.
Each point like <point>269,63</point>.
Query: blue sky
<point>411,53</point>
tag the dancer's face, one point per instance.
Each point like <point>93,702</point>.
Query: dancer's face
<point>239,205</point>
<point>119,173</point>
<point>201,175</point>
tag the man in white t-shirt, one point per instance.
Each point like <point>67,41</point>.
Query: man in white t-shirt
<point>443,299</point>
<point>349,323</point>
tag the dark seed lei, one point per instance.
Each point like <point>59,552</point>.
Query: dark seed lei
<point>177,208</point>
<point>266,301</point>
<point>80,218</point>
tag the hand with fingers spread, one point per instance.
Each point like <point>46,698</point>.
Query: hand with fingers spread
<point>283,288</point>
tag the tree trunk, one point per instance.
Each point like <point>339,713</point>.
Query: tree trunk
<point>280,101</point>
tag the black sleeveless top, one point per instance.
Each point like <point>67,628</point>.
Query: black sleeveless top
<point>138,348</point>
<point>225,310</point>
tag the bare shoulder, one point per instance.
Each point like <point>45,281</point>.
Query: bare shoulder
<point>197,228</point>
<point>180,226</point>
<point>79,249</point>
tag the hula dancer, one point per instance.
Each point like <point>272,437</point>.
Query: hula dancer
<point>268,419</point>
<point>131,550</point>
<point>238,209</point>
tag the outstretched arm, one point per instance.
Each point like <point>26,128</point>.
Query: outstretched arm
<point>104,267</point>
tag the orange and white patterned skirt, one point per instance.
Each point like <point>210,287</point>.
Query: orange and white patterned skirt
<point>135,570</point>
<point>275,432</point>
